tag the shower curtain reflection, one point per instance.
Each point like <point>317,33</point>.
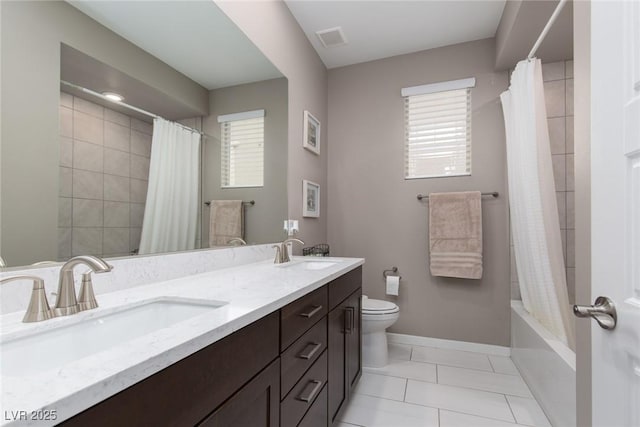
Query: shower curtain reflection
<point>171,214</point>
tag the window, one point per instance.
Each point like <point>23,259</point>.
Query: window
<point>438,129</point>
<point>242,156</point>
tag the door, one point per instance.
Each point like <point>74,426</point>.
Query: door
<point>354,339</point>
<point>615,208</point>
<point>337,352</point>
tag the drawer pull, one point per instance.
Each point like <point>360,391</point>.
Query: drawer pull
<point>315,310</point>
<point>308,397</point>
<point>308,355</point>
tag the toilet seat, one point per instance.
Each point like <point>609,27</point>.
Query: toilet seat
<point>378,307</point>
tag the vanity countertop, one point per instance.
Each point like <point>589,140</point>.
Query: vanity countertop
<point>250,291</point>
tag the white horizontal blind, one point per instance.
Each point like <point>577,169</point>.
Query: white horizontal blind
<point>243,153</point>
<point>438,134</point>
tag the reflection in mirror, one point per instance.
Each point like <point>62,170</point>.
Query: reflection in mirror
<point>84,175</point>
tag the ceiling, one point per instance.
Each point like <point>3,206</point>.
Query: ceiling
<point>194,37</point>
<point>380,29</point>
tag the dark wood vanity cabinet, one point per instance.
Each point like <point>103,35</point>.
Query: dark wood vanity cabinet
<point>345,342</point>
<point>294,367</point>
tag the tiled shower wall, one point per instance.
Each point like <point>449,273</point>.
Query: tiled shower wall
<point>104,172</point>
<point>558,91</point>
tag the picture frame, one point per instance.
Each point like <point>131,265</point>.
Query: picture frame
<point>311,134</point>
<point>310,199</point>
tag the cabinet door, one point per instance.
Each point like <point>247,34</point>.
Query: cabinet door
<point>337,354</point>
<point>345,356</point>
<point>354,338</point>
<point>257,404</point>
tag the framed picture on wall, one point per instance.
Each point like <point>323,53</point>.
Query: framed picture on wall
<point>310,199</point>
<point>311,140</point>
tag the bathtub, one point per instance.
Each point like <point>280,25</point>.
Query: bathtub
<point>546,364</point>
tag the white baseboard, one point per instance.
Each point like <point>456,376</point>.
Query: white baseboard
<point>495,350</point>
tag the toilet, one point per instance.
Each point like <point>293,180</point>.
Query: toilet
<point>377,316</point>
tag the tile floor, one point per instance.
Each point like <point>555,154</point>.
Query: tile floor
<point>431,387</point>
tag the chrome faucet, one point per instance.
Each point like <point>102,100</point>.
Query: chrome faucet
<point>236,240</point>
<point>66,301</point>
<point>282,252</point>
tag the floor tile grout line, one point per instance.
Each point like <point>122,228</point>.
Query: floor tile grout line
<point>437,408</point>
<point>406,385</point>
<point>393,376</point>
<point>491,364</point>
<point>380,397</point>
<point>487,372</point>
<point>511,409</point>
<point>437,377</point>
<point>439,417</point>
<point>478,389</point>
<point>484,417</point>
<point>451,349</point>
<point>452,366</point>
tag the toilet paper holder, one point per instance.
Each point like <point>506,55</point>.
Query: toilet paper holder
<point>391,272</point>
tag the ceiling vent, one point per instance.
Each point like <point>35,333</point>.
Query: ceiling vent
<point>332,37</point>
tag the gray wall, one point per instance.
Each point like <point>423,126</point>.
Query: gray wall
<point>373,211</point>
<point>263,221</point>
<point>31,37</point>
<point>272,28</point>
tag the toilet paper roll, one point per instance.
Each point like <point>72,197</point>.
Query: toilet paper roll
<point>393,283</point>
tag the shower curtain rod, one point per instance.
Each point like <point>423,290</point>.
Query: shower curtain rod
<point>546,29</point>
<point>124,104</point>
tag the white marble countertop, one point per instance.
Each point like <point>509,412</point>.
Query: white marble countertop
<point>250,291</point>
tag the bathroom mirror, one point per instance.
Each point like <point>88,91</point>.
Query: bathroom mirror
<point>75,167</point>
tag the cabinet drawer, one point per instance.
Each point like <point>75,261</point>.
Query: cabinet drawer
<point>301,355</point>
<point>317,416</point>
<point>297,317</point>
<point>304,393</point>
<point>343,286</point>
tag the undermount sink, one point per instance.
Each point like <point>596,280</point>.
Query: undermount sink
<point>309,263</point>
<point>54,348</point>
<point>318,265</point>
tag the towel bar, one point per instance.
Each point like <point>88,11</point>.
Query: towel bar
<point>250,202</point>
<point>493,194</point>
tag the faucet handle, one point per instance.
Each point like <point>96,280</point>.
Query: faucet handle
<point>38,308</point>
<point>278,258</point>
<point>87,298</point>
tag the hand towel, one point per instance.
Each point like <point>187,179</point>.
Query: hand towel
<point>455,234</point>
<point>225,221</point>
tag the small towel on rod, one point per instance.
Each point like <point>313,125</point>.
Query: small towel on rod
<point>225,221</point>
<point>455,234</point>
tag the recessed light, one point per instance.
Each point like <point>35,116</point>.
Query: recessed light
<point>112,96</point>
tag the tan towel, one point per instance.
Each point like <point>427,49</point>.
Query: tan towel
<point>225,221</point>
<point>455,234</point>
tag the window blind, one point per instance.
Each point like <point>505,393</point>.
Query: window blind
<point>243,152</point>
<point>438,134</point>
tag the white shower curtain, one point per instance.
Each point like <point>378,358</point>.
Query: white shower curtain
<point>171,213</point>
<point>535,226</point>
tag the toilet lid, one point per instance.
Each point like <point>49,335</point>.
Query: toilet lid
<point>376,306</point>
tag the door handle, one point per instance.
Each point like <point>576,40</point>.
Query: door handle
<point>349,319</point>
<point>603,311</point>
